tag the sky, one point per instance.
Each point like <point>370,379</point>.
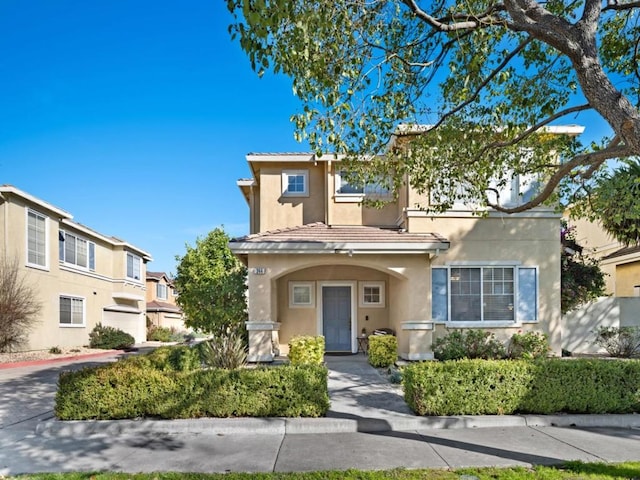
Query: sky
<point>135,116</point>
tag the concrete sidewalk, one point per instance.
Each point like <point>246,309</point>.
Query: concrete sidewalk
<point>368,427</point>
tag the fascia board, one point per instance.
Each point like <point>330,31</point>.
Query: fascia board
<point>322,248</point>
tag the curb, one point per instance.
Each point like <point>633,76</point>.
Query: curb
<point>32,363</point>
<point>296,426</point>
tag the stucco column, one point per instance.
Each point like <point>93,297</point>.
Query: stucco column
<point>262,327</point>
<point>418,339</point>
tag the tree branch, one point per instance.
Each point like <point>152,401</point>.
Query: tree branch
<point>614,151</point>
<point>442,26</point>
<point>615,5</point>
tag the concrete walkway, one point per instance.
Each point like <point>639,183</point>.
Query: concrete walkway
<point>368,427</point>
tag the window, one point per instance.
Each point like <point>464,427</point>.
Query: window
<point>372,294</point>
<point>301,294</point>
<point>484,294</point>
<point>134,266</point>
<point>161,291</point>
<point>295,183</point>
<point>344,188</point>
<point>36,239</point>
<point>76,251</point>
<point>71,311</point>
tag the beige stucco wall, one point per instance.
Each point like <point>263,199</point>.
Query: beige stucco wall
<point>96,288</point>
<point>524,240</point>
<point>278,211</point>
<point>627,279</point>
<point>405,277</point>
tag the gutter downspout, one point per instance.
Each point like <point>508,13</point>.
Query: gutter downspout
<point>327,200</point>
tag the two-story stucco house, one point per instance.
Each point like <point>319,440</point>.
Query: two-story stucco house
<point>162,309</point>
<point>81,277</point>
<point>321,262</point>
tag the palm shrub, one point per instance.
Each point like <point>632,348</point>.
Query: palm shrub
<point>306,349</point>
<point>225,350</point>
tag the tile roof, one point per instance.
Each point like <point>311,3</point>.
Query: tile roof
<point>623,251</point>
<point>322,233</point>
<point>157,306</point>
<point>322,238</point>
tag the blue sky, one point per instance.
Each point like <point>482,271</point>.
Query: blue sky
<point>135,116</point>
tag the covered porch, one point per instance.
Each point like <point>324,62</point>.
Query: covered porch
<point>339,282</point>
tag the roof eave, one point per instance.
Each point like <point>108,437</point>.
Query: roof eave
<point>240,248</point>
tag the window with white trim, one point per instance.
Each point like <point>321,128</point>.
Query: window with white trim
<point>372,294</point>
<point>37,239</point>
<point>372,189</point>
<point>301,295</point>
<point>504,294</point>
<point>295,183</point>
<point>76,250</point>
<point>71,311</point>
<point>161,291</point>
<point>134,266</point>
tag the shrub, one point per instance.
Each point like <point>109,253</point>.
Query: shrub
<point>497,387</point>
<point>227,350</point>
<point>528,345</point>
<point>306,350</point>
<point>19,305</point>
<point>109,338</point>
<point>476,343</point>
<point>619,341</point>
<point>383,350</point>
<point>179,358</point>
<point>55,350</point>
<point>159,334</point>
<point>128,390</point>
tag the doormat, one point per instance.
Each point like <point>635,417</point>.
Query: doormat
<point>338,354</point>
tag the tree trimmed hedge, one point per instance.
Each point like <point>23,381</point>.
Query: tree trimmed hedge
<point>383,350</point>
<point>131,389</point>
<point>496,387</point>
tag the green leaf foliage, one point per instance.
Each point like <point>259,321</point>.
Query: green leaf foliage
<point>383,350</point>
<point>133,389</point>
<point>488,77</point>
<point>305,350</point>
<point>473,343</point>
<point>500,387</point>
<point>109,338</point>
<point>212,285</point>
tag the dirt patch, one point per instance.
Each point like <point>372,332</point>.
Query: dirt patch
<point>47,355</point>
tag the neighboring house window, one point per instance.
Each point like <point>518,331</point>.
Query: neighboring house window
<point>71,311</point>
<point>37,239</point>
<point>134,266</point>
<point>372,294</point>
<point>301,294</point>
<point>161,291</point>
<point>76,250</point>
<point>343,187</point>
<point>295,183</point>
<point>174,292</point>
<point>484,294</point>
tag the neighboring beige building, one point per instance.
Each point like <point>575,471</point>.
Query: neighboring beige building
<point>81,276</point>
<point>162,309</point>
<point>322,263</point>
<point>620,264</point>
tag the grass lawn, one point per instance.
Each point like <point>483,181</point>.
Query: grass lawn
<point>568,471</point>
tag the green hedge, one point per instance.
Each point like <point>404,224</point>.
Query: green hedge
<point>306,350</point>
<point>496,387</point>
<point>130,389</point>
<point>383,350</point>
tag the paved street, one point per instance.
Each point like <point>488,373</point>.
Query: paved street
<point>368,427</point>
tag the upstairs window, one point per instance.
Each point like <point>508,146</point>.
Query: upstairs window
<point>295,183</point>
<point>346,189</point>
<point>161,291</point>
<point>75,250</point>
<point>37,240</point>
<point>134,266</point>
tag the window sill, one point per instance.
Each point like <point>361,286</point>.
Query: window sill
<point>68,325</point>
<point>480,324</point>
<point>44,268</point>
